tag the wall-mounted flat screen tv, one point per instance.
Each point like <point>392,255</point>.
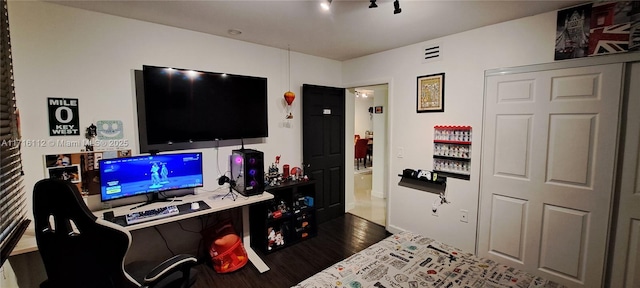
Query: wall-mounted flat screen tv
<point>181,108</point>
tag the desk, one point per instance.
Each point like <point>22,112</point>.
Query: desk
<point>214,199</point>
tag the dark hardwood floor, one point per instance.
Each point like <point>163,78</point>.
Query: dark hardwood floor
<point>337,239</point>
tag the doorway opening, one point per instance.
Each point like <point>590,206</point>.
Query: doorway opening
<point>369,136</point>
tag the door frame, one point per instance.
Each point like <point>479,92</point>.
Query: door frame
<point>349,132</point>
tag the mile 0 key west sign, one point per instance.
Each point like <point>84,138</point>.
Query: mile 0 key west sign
<point>63,117</point>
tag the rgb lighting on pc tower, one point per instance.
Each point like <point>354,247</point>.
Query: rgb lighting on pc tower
<point>247,170</point>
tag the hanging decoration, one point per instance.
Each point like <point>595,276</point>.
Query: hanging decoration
<point>289,96</point>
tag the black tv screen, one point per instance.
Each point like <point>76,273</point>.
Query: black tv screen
<point>180,107</point>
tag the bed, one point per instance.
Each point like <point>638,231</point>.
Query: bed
<point>410,260</point>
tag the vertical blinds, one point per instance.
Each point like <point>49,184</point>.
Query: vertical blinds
<point>13,220</point>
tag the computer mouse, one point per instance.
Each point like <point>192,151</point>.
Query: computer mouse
<point>195,206</point>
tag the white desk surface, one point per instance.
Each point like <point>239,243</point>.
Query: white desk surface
<point>214,199</point>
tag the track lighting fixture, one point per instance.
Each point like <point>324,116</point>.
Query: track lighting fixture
<point>373,4</point>
<point>396,6</point>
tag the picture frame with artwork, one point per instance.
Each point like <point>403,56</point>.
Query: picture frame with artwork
<point>430,93</point>
<point>80,168</point>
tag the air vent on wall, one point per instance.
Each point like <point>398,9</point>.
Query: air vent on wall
<point>431,53</point>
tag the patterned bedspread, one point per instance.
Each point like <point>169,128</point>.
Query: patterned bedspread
<point>414,261</point>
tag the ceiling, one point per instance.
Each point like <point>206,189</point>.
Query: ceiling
<point>348,30</point>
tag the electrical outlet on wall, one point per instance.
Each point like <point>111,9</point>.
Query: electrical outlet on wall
<point>434,210</point>
<point>464,216</point>
<point>400,152</point>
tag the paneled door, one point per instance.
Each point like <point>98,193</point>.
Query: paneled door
<point>548,165</point>
<point>625,268</point>
<point>323,147</point>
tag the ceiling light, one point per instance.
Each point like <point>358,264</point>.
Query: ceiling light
<point>396,6</point>
<point>192,74</point>
<point>234,32</point>
<point>326,4</point>
<point>373,4</point>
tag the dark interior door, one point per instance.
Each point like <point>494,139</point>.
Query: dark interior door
<point>323,147</point>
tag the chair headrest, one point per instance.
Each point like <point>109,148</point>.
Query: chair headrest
<point>58,197</point>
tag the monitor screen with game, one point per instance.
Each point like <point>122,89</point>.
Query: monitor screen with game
<point>138,175</point>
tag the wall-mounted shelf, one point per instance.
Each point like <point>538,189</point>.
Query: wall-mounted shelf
<point>452,151</point>
<point>438,186</point>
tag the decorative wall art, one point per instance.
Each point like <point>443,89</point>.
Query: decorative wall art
<point>63,116</point>
<point>598,29</point>
<point>80,168</point>
<point>430,93</point>
<point>572,32</point>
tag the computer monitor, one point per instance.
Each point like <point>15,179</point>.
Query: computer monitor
<point>138,175</point>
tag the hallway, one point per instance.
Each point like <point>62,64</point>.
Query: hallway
<point>367,207</point>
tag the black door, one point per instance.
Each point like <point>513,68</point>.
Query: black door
<point>323,146</point>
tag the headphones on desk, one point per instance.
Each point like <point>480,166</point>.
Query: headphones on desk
<point>224,179</point>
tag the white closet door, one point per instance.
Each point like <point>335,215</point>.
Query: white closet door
<point>547,178</point>
<point>626,257</point>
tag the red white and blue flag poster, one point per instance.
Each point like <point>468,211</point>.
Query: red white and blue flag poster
<point>610,28</point>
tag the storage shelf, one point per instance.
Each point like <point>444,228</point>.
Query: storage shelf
<point>438,186</point>
<point>452,142</point>
<point>447,141</point>
<point>288,226</point>
<point>451,158</point>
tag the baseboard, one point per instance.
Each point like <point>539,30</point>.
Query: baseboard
<point>394,229</point>
<point>377,194</point>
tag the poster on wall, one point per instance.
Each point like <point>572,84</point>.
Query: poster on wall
<point>610,28</point>
<point>109,129</point>
<point>63,117</point>
<point>80,168</point>
<point>634,33</point>
<point>572,32</point>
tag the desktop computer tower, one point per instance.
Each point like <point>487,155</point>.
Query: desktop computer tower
<point>247,170</point>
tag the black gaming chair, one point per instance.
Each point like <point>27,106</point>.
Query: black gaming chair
<point>93,255</point>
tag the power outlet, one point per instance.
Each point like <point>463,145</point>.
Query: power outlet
<point>434,210</point>
<point>464,216</point>
<point>400,152</point>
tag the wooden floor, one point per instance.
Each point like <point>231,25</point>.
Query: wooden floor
<point>337,239</point>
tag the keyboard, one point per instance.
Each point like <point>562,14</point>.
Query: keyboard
<point>153,214</point>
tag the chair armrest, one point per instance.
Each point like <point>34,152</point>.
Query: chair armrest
<point>180,262</point>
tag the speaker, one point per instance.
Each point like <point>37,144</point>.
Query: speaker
<point>247,170</point>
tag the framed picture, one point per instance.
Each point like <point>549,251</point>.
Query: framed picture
<point>81,168</point>
<point>69,173</point>
<point>430,96</point>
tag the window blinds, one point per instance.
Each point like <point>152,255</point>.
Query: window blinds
<point>13,220</point>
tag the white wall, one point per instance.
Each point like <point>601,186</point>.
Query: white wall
<point>363,119</point>
<point>465,58</point>
<point>380,170</point>
<point>67,52</point>
<point>71,53</point>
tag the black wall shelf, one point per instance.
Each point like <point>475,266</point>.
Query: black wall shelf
<point>438,186</point>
